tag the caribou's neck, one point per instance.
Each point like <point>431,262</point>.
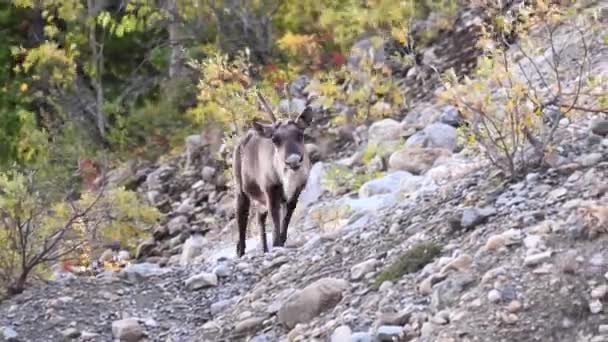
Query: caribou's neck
<point>292,181</point>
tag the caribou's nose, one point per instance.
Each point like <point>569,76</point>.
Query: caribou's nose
<point>294,161</point>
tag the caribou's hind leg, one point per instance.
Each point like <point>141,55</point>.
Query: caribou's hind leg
<point>262,226</point>
<point>242,214</point>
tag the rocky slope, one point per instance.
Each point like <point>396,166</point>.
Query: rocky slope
<point>440,248</point>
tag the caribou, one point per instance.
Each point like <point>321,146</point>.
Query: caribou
<point>270,168</point>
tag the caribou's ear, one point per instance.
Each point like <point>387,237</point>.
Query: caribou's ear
<point>265,131</point>
<point>305,118</point>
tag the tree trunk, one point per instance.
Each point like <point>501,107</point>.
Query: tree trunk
<point>175,37</point>
<point>96,77</point>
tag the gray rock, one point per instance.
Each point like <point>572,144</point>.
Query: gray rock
<point>142,271</point>
<point>389,333</point>
<point>186,207</point>
<point>70,333</point>
<point>446,293</point>
<point>207,173</point>
<point>416,160</point>
<point>450,116</point>
<point>9,334</point>
<point>308,303</point>
<point>361,337</point>
<point>538,258</point>
<point>600,127</point>
<point>440,135</point>
<point>418,139</point>
<point>127,330</point>
<point>192,248</point>
<point>342,334</point>
<point>222,270</point>
<point>358,271</point>
<point>177,225</point>
<point>472,217</point>
<point>249,325</point>
<point>220,306</point>
<point>260,338</point>
<point>387,184</point>
<point>384,130</point>
<point>201,280</point>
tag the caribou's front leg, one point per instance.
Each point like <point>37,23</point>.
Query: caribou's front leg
<point>262,226</point>
<point>289,209</point>
<point>242,213</point>
<point>274,206</point>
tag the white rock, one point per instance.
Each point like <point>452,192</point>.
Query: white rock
<point>494,296</point>
<point>342,334</point>
<point>538,258</point>
<point>201,280</point>
<point>358,271</point>
<point>127,330</point>
<point>192,248</point>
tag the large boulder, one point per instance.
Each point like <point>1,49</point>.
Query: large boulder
<point>387,184</point>
<point>416,160</point>
<point>314,299</point>
<point>384,130</point>
<point>437,135</point>
<point>441,135</point>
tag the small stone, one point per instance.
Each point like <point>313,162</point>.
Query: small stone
<point>595,306</point>
<point>127,330</point>
<point>201,280</point>
<point>9,334</point>
<point>590,159</point>
<point>385,286</point>
<point>514,306</point>
<point>389,333</point>
<point>599,292</point>
<point>603,329</point>
<point>427,329</point>
<point>460,263</point>
<point>342,334</point>
<point>222,270</point>
<point>220,306</point>
<point>538,258</point>
<point>510,318</point>
<point>250,324</point>
<point>495,242</point>
<point>70,333</point>
<point>361,337</point>
<point>600,127</point>
<point>494,296</point>
<point>358,271</point>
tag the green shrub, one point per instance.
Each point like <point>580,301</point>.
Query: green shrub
<point>412,260</point>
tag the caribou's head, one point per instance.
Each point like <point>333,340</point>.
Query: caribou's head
<point>287,136</point>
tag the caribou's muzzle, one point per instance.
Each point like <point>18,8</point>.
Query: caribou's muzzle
<point>294,161</point>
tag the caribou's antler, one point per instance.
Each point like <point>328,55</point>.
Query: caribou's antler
<point>265,106</point>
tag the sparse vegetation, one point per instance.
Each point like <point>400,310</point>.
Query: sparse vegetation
<point>413,260</point>
<point>340,179</point>
<point>516,101</point>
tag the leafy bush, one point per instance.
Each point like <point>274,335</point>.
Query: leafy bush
<point>36,230</point>
<point>515,102</point>
<point>370,90</point>
<point>340,179</point>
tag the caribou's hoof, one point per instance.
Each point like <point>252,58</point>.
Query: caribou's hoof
<point>240,251</point>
